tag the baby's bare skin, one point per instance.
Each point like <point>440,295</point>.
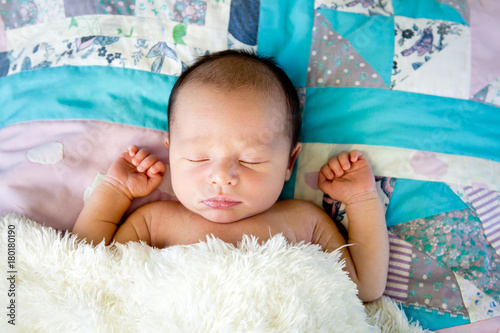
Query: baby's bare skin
<point>167,223</point>
<point>228,164</point>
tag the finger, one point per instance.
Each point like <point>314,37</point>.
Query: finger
<point>355,155</point>
<point>147,163</point>
<point>140,156</point>
<point>132,150</point>
<point>157,168</point>
<point>344,160</point>
<point>321,180</point>
<point>154,180</point>
<point>327,172</point>
<point>334,164</point>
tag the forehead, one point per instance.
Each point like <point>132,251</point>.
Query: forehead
<point>215,103</point>
<point>203,110</point>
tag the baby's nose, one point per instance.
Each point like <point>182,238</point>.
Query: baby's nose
<point>223,174</point>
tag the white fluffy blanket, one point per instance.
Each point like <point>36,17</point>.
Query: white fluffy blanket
<point>63,286</point>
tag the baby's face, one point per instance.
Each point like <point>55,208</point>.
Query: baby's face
<point>229,152</point>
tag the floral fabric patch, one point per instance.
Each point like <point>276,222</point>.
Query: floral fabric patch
<point>479,306</point>
<point>153,56</point>
<point>19,13</point>
<point>417,41</point>
<point>103,7</point>
<point>190,11</point>
<point>184,11</point>
<point>457,242</point>
<point>433,286</point>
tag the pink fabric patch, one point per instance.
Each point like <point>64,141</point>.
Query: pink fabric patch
<point>53,193</point>
<point>311,179</point>
<point>429,165</point>
<point>485,46</point>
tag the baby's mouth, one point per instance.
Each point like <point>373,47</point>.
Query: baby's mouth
<point>221,202</point>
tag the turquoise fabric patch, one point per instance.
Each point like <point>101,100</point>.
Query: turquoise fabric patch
<point>120,95</point>
<point>401,119</point>
<point>433,320</point>
<point>429,9</point>
<point>371,36</point>
<point>414,199</point>
<point>285,30</point>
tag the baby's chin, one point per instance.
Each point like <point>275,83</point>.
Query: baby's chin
<point>225,216</point>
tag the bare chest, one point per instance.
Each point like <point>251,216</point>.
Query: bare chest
<point>187,228</point>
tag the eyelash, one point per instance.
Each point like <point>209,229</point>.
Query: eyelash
<point>198,161</point>
<point>250,163</point>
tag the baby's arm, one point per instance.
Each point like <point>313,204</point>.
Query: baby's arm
<point>136,173</point>
<point>348,178</point>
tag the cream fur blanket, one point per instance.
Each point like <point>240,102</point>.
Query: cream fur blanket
<point>63,286</point>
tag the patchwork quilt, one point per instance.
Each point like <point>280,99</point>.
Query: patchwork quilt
<point>413,84</point>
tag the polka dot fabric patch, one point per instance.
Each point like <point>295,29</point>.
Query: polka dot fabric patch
<point>334,62</point>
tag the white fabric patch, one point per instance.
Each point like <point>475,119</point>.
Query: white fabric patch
<point>432,57</point>
<point>479,305</point>
<point>493,95</point>
<point>97,180</point>
<point>447,74</point>
<point>47,153</point>
<point>208,37</point>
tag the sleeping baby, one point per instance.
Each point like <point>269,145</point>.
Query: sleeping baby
<point>234,126</point>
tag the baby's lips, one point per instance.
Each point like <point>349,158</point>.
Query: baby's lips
<point>221,202</point>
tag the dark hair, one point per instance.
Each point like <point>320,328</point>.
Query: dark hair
<point>233,69</point>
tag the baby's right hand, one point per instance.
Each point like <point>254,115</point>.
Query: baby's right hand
<point>136,172</point>
<point>348,178</point>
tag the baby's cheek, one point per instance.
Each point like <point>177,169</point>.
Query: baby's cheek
<point>183,183</point>
<point>268,190</point>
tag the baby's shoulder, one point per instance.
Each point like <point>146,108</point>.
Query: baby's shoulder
<point>164,210</point>
<point>300,217</point>
<point>301,212</point>
<point>158,213</point>
<point>300,207</point>
<point>164,218</point>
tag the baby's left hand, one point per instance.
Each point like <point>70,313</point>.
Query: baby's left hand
<point>136,173</point>
<point>348,178</point>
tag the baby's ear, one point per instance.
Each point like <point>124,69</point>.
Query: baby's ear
<point>167,141</point>
<point>293,158</point>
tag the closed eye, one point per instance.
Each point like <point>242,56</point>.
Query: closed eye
<point>202,160</point>
<point>251,163</point>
